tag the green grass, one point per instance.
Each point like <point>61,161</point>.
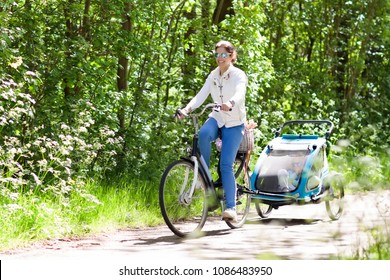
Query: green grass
<point>126,205</point>
<point>101,207</point>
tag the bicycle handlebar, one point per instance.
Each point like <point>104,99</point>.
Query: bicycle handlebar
<point>215,106</point>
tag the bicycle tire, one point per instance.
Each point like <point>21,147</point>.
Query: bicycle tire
<point>262,209</point>
<point>239,163</point>
<point>242,210</point>
<point>243,198</point>
<point>183,216</point>
<point>334,199</point>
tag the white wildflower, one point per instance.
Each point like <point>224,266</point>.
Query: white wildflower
<point>13,207</point>
<point>17,62</point>
<point>64,127</point>
<point>36,179</point>
<point>83,129</point>
<point>42,163</point>
<point>14,196</point>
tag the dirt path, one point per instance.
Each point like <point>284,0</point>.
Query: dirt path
<point>291,232</point>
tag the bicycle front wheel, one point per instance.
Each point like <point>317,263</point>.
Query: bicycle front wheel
<point>184,212</point>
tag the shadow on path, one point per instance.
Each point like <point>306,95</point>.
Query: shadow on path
<point>175,240</point>
<point>285,221</point>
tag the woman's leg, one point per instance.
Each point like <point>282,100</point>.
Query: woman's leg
<point>207,134</point>
<point>231,139</point>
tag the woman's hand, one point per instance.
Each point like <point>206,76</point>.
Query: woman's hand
<point>181,113</point>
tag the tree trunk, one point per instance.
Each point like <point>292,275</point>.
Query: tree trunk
<point>224,8</point>
<point>68,79</point>
<point>122,70</point>
<point>188,67</point>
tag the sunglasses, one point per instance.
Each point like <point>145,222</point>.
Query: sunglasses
<point>222,55</point>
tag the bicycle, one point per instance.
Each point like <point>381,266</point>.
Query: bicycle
<point>187,191</point>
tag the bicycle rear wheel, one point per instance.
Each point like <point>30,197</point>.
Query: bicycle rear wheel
<point>242,208</point>
<point>184,214</point>
<point>243,197</point>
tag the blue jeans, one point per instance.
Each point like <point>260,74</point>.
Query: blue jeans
<point>231,138</point>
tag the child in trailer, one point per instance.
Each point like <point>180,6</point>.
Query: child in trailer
<point>288,179</point>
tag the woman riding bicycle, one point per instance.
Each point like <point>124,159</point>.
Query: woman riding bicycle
<point>227,86</point>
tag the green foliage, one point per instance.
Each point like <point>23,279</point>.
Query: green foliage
<point>361,172</point>
<point>293,55</point>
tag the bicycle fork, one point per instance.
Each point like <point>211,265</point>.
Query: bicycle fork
<point>185,196</point>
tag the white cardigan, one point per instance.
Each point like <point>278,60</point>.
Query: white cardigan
<point>231,86</point>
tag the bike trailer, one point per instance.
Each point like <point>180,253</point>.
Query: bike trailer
<point>292,168</point>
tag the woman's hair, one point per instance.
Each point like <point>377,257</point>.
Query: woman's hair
<point>229,48</point>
